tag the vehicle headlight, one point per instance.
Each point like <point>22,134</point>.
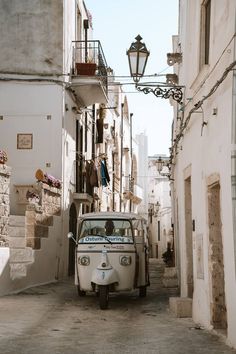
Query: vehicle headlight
<point>84,260</point>
<point>125,260</point>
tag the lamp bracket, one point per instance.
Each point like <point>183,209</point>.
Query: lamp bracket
<point>163,91</point>
<point>166,175</point>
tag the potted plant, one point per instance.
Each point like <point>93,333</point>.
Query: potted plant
<point>88,68</point>
<point>48,179</point>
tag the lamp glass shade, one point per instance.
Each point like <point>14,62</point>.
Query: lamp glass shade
<point>137,55</point>
<point>160,164</point>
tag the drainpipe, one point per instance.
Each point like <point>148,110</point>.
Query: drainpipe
<point>113,181</point>
<point>62,256</point>
<point>233,153</point>
<point>86,26</point>
<point>121,151</point>
<point>131,158</point>
<point>76,23</point>
<point>93,131</point>
<point>113,168</point>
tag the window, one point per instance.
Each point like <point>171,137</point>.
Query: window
<point>98,230</point>
<point>205,32</point>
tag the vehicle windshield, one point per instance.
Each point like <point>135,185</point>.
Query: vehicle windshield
<point>107,230</point>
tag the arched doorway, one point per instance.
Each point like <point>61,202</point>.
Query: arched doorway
<point>72,228</point>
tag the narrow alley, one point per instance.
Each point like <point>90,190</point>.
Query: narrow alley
<point>52,319</point>
<point>118,151</point>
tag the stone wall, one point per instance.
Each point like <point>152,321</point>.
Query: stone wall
<point>5,173</point>
<point>50,199</point>
<point>39,213</point>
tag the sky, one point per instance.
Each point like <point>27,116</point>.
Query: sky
<point>116,23</point>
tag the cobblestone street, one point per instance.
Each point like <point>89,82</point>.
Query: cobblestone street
<point>52,319</point>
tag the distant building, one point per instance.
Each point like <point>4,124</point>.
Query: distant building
<point>142,172</point>
<point>159,210</point>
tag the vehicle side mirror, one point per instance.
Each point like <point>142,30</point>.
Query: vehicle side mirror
<point>71,236</point>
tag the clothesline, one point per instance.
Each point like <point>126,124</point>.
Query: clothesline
<point>100,156</point>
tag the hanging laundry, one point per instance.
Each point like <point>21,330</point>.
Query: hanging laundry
<point>89,188</point>
<point>104,173</point>
<point>103,176</point>
<point>99,123</point>
<point>93,175</point>
<point>98,166</point>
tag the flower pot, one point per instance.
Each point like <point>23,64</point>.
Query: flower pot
<point>86,69</point>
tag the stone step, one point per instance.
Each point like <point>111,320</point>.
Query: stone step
<point>21,255</point>
<point>20,258</point>
<point>156,275</point>
<point>16,231</point>
<point>17,242</point>
<point>18,270</point>
<point>157,272</point>
<point>17,220</point>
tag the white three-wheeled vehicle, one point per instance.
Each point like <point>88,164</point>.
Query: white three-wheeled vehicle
<point>111,254</point>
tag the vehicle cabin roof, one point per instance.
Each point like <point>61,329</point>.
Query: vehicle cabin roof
<point>110,215</point>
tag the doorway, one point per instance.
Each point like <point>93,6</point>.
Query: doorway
<point>216,260</point>
<point>72,228</point>
<point>188,236</point>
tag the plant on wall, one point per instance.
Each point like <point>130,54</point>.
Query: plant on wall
<point>3,157</point>
<point>48,179</point>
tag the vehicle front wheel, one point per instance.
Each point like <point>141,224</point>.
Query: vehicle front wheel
<point>142,291</point>
<point>103,296</point>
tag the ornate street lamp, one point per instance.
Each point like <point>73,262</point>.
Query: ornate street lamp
<point>138,56</point>
<point>160,163</point>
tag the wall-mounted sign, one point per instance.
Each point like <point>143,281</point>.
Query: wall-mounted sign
<point>24,141</point>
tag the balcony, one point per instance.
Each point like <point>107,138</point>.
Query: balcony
<point>89,73</point>
<point>83,198</point>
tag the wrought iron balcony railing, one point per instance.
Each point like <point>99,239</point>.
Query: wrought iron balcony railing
<point>88,55</point>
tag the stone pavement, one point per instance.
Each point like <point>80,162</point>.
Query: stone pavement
<point>51,319</point>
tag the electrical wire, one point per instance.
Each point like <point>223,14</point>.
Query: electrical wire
<point>184,124</point>
<point>200,103</point>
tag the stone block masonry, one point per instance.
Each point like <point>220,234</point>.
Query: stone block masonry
<point>5,173</point>
<point>50,199</point>
<point>181,306</point>
<point>39,216</point>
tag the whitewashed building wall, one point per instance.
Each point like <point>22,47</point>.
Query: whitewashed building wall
<point>35,69</point>
<point>203,160</point>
